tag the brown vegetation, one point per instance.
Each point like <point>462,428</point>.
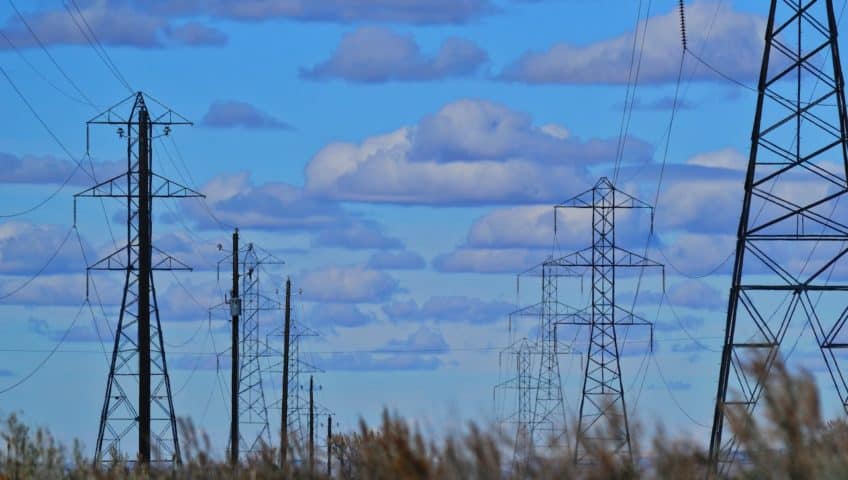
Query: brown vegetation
<point>789,441</point>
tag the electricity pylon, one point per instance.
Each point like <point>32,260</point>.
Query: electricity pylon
<point>603,413</point>
<point>539,416</point>
<point>792,231</point>
<point>517,361</point>
<point>299,370</point>
<point>253,408</point>
<point>251,426</point>
<point>138,389</point>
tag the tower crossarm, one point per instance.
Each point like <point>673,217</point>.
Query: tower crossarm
<point>587,200</point>
<point>622,259</point>
<point>167,188</point>
<point>117,260</point>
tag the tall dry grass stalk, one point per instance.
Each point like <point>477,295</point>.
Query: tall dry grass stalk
<point>788,441</point>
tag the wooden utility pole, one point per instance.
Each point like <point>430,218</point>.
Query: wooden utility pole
<point>284,427</point>
<point>329,445</point>
<point>235,311</point>
<point>145,253</point>
<point>311,425</point>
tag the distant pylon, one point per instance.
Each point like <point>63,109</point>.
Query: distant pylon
<point>296,413</point>
<point>792,234</point>
<point>517,361</point>
<point>524,378</point>
<point>549,420</point>
<point>533,369</point>
<point>603,413</point>
<point>138,389</point>
<point>247,303</point>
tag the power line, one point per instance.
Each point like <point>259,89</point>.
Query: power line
<point>49,55</point>
<point>627,113</point>
<point>39,73</point>
<point>41,270</point>
<point>674,398</point>
<point>50,354</point>
<point>194,184</point>
<point>78,165</point>
<point>42,121</point>
<point>397,351</point>
<point>89,35</point>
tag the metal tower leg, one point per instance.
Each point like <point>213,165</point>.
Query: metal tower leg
<point>792,233</point>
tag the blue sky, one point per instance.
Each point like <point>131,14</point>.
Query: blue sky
<point>402,157</point>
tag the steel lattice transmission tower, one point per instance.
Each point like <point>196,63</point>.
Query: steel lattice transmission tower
<point>138,389</point>
<point>603,413</point>
<point>299,370</point>
<point>533,367</point>
<point>519,357</point>
<point>255,429</point>
<point>251,427</point>
<point>549,421</point>
<point>792,231</point>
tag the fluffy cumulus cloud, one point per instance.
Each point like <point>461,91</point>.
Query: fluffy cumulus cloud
<point>47,169</point>
<point>195,34</point>
<point>356,234</point>
<point>730,41</point>
<point>345,315</point>
<point>487,260</point>
<point>396,260</point>
<point>350,284</point>
<point>377,54</point>
<point>420,350</point>
<point>367,361</point>
<point>186,301</point>
<point>235,114</point>
<point>697,294</point>
<point>422,340</point>
<point>405,11</point>
<point>449,309</point>
<point>117,23</point>
<point>278,206</point>
<point>53,290</point>
<point>236,200</point>
<point>470,152</point>
<point>79,332</point>
<point>26,248</point>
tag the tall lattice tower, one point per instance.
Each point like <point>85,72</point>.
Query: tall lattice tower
<point>138,389</point>
<point>603,413</point>
<point>791,242</point>
<point>534,378</point>
<point>549,421</point>
<point>254,426</point>
<point>299,370</point>
<point>251,429</point>
<point>516,361</point>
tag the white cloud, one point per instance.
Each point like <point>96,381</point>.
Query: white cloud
<point>468,260</point>
<point>351,284</point>
<point>729,158</point>
<point>731,41</point>
<point>470,152</point>
<point>26,247</point>
<point>378,54</point>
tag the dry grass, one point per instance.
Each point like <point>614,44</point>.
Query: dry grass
<point>790,441</point>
